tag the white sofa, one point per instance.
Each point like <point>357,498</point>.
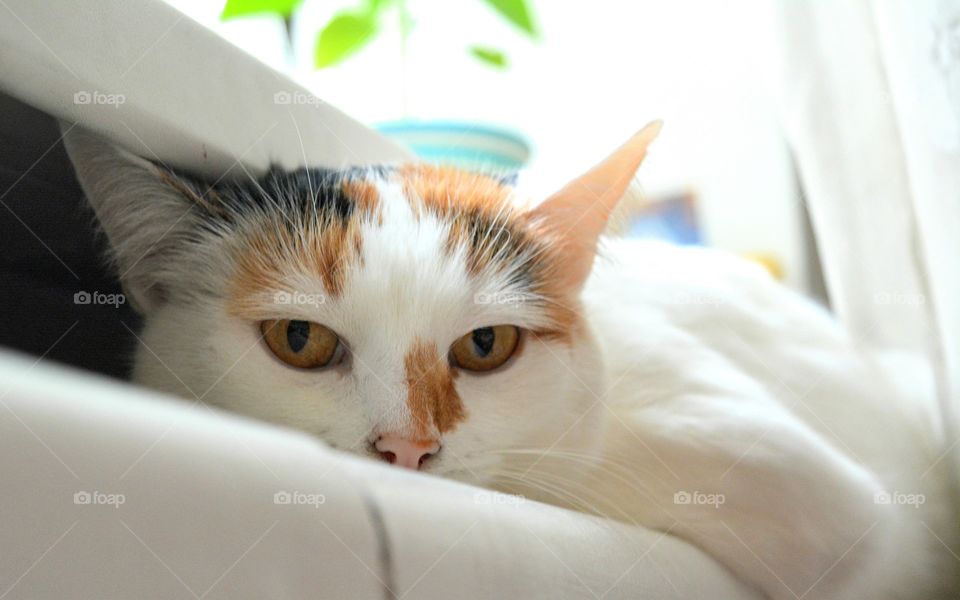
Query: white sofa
<point>112,491</point>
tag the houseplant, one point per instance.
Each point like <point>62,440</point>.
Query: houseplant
<point>350,30</point>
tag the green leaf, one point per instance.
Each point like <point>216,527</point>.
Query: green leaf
<point>242,8</point>
<point>517,12</point>
<point>490,56</point>
<point>376,5</point>
<point>345,34</point>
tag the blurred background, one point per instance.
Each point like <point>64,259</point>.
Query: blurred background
<point>553,87</point>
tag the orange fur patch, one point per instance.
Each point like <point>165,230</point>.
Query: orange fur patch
<point>459,198</point>
<point>448,190</point>
<point>483,218</point>
<point>273,252</point>
<point>364,194</point>
<point>431,394</point>
<point>325,249</point>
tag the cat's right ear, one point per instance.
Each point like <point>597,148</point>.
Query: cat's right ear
<point>577,214</point>
<point>143,210</point>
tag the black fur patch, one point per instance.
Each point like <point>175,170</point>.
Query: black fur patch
<point>301,193</point>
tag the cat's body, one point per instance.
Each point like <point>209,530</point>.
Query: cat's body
<point>741,410</point>
<point>426,319</point>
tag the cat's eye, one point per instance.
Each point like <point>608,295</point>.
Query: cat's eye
<point>302,344</point>
<point>486,348</point>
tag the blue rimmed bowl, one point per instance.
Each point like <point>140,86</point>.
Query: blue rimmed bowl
<point>472,146</point>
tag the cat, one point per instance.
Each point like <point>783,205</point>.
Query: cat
<point>438,320</point>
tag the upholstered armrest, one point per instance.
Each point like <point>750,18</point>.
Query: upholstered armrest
<point>113,491</point>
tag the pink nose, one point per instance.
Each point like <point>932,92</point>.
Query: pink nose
<point>405,453</point>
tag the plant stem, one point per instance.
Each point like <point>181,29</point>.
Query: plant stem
<point>288,27</point>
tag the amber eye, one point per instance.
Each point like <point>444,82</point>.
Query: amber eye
<point>302,344</point>
<point>486,348</point>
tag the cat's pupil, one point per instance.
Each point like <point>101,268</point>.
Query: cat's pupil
<point>298,332</point>
<point>483,340</point>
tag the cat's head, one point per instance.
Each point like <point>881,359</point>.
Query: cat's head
<point>417,314</point>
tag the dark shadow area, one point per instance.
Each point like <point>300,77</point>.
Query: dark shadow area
<point>51,258</point>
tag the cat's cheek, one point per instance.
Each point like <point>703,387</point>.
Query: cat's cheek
<point>204,353</point>
<point>178,351</point>
<point>539,401</point>
<point>566,383</point>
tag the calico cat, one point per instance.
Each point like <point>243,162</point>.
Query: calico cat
<point>434,319</point>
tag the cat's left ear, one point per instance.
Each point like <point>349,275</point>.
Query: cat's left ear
<point>148,215</point>
<point>576,215</point>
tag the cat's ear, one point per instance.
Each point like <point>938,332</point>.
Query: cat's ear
<point>144,211</point>
<point>576,215</point>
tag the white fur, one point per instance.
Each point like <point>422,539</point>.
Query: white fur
<point>406,289</point>
<point>695,373</point>
<point>725,383</point>
<point>708,378</point>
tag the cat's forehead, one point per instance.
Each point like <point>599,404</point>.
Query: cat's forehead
<point>407,235</point>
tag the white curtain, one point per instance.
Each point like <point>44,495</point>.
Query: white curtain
<point>870,100</point>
